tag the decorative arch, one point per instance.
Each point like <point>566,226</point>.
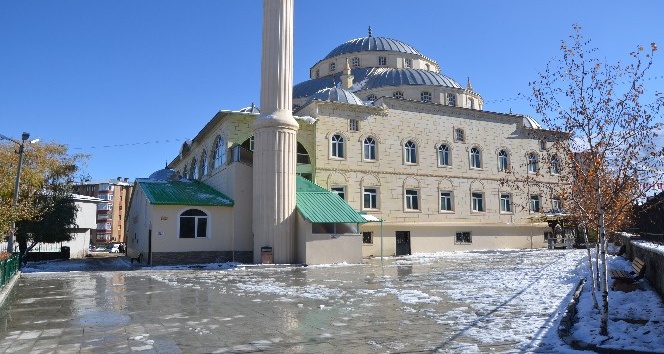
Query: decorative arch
<point>370,179</point>
<point>411,182</point>
<point>336,177</point>
<point>476,185</point>
<point>367,135</point>
<point>445,184</point>
<point>413,139</point>
<point>329,134</point>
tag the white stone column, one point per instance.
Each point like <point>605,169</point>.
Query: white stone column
<point>275,143</point>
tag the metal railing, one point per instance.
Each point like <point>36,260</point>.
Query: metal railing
<point>9,267</point>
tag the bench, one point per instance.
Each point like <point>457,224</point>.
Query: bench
<point>138,258</point>
<point>621,277</point>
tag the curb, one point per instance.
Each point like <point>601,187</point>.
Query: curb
<point>569,319</point>
<point>4,292</point>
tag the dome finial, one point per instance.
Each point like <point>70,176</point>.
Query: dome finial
<point>468,85</point>
<point>369,31</point>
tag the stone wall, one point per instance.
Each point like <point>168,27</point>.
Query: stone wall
<point>654,261</point>
<point>174,258</point>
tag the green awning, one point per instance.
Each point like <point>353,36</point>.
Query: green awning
<point>182,192</point>
<point>318,205</point>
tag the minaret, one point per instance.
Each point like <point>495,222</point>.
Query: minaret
<point>346,77</point>
<point>275,138</point>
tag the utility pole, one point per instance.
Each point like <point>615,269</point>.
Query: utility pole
<point>24,138</point>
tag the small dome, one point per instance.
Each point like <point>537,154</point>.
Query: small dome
<point>251,109</point>
<point>335,94</point>
<point>165,175</point>
<point>372,44</point>
<point>530,122</point>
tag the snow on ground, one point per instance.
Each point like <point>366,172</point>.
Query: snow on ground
<point>511,298</point>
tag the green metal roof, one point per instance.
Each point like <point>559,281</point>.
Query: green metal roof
<point>318,205</point>
<point>183,192</point>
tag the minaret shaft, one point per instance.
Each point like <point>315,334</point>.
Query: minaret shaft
<point>275,139</point>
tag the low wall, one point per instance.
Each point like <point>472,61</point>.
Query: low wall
<point>654,259</point>
<point>175,258</point>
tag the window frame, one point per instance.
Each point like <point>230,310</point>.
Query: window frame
<point>333,67</point>
<point>372,193</point>
<point>196,223</point>
<point>397,95</point>
<point>382,61</point>
<point>461,237</point>
<point>219,152</point>
<point>410,152</point>
<point>475,156</point>
<point>535,199</point>
<point>555,165</point>
<point>533,163</point>
<point>372,97</point>
<point>447,153</point>
<point>477,204</point>
<point>506,203</point>
<point>412,199</point>
<point>503,161</point>
<point>353,125</point>
<point>337,147</point>
<point>203,167</point>
<point>371,147</point>
<point>450,99</point>
<point>355,62</point>
<point>370,237</point>
<point>425,96</point>
<point>339,190</point>
<point>408,63</point>
<point>459,135</point>
<point>449,198</point>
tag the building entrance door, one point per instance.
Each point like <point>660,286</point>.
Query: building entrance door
<point>403,243</point>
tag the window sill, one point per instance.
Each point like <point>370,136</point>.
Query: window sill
<point>412,211</point>
<point>463,243</point>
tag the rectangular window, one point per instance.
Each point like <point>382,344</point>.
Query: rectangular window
<point>535,203</point>
<point>340,191</point>
<point>382,61</point>
<point>408,63</point>
<point>477,202</point>
<point>463,237</point>
<point>505,203</point>
<point>353,125</point>
<point>370,198</point>
<point>451,99</point>
<point>446,201</point>
<point>556,205</point>
<point>187,227</point>
<point>412,199</point>
<point>367,237</point>
<point>459,135</point>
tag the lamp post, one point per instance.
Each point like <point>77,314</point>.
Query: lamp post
<point>24,137</point>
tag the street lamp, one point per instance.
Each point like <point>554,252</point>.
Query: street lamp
<point>24,137</point>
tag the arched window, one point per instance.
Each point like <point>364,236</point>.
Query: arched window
<point>532,163</point>
<point>555,165</point>
<point>410,152</point>
<point>503,161</point>
<point>193,223</point>
<point>475,158</point>
<point>397,94</point>
<point>369,149</point>
<point>355,62</point>
<point>372,97</point>
<point>425,96</point>
<point>337,146</point>
<point>444,155</point>
<point>204,165</point>
<point>192,170</point>
<point>219,154</point>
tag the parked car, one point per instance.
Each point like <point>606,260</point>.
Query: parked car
<point>115,248</point>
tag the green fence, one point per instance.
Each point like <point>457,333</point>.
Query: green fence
<point>9,267</point>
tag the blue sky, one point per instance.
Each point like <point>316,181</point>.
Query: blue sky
<point>128,81</point>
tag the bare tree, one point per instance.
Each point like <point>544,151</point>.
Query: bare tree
<point>607,122</point>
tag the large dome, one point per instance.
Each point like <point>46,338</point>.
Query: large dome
<point>372,44</point>
<point>370,78</point>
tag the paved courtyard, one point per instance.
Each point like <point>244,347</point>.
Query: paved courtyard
<point>493,301</point>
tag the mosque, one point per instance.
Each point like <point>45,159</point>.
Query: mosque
<point>392,157</point>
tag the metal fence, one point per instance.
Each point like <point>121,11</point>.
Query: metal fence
<point>40,247</point>
<point>8,268</point>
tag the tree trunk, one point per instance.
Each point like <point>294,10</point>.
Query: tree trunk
<point>604,322</point>
<point>590,264</point>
